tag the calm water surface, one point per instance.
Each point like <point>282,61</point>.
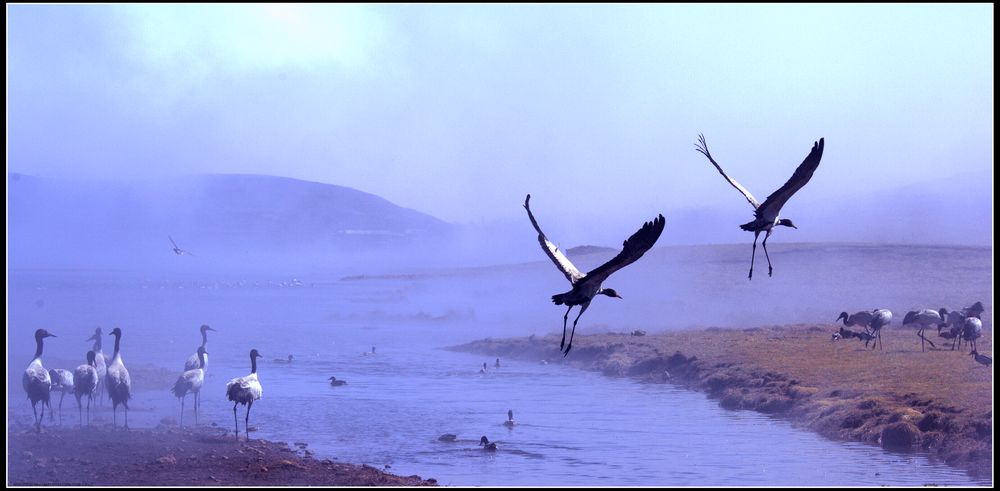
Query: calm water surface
<point>573,427</point>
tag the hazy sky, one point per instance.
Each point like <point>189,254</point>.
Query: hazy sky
<point>459,111</point>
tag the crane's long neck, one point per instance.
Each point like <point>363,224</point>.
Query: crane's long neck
<point>201,360</point>
<point>253,364</point>
<point>118,341</point>
<point>98,344</point>
<point>38,348</point>
<point>204,338</point>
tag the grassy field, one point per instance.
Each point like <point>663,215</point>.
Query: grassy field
<point>898,397</point>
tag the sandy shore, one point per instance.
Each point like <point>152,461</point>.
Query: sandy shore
<point>165,456</point>
<point>901,398</point>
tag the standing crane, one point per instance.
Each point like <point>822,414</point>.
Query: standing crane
<point>119,383</point>
<point>85,380</point>
<point>194,361</point>
<point>36,381</point>
<point>191,381</point>
<point>244,390</point>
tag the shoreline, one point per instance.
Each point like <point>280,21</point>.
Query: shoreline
<point>170,456</point>
<point>898,398</point>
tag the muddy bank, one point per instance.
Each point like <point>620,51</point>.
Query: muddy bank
<point>939,401</point>
<point>202,456</point>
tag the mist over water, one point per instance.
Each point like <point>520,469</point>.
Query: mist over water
<point>573,427</point>
<point>349,176</point>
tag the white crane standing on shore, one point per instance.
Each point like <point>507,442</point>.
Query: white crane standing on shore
<point>924,318</point>
<point>62,382</point>
<point>880,319</point>
<point>36,380</point>
<point>194,361</point>
<point>191,381</point>
<point>85,381</point>
<point>245,390</point>
<point>119,383</point>
<point>101,362</point>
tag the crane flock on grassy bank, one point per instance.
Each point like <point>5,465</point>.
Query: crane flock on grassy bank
<point>952,325</point>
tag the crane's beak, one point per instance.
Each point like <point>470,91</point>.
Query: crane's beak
<point>209,329</point>
<point>619,296</point>
<point>51,335</point>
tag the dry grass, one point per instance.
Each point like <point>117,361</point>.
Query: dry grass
<point>939,400</point>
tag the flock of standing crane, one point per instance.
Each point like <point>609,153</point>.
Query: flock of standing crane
<point>963,325</point>
<point>103,375</point>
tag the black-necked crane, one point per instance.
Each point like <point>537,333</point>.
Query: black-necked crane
<point>973,330</point>
<point>510,419</point>
<point>587,286</point>
<point>924,318</point>
<point>483,370</point>
<point>974,310</point>
<point>62,382</point>
<point>178,250</point>
<point>118,381</point>
<point>369,353</point>
<point>85,382</point>
<point>244,390</point>
<point>497,364</point>
<point>194,361</point>
<point>191,381</point>
<point>955,321</point>
<point>36,380</point>
<point>862,318</point>
<point>487,445</point>
<point>336,383</point>
<point>981,359</point>
<point>766,213</point>
<point>101,361</point>
<point>880,319</point>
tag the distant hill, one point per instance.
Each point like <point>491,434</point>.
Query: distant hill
<point>209,215</point>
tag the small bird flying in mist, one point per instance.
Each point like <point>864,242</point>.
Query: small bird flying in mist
<point>766,213</point>
<point>587,286</point>
<point>178,250</point>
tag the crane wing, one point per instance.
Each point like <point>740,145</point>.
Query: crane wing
<point>634,247</point>
<point>172,242</point>
<point>702,147</point>
<point>772,205</point>
<point>561,261</point>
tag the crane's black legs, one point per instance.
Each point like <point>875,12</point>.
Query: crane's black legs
<point>35,411</point>
<point>573,333</point>
<point>60,407</point>
<point>182,411</point>
<point>754,253</point>
<point>565,318</point>
<point>247,422</point>
<point>922,339</point>
<point>236,422</point>
<point>769,269</point>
